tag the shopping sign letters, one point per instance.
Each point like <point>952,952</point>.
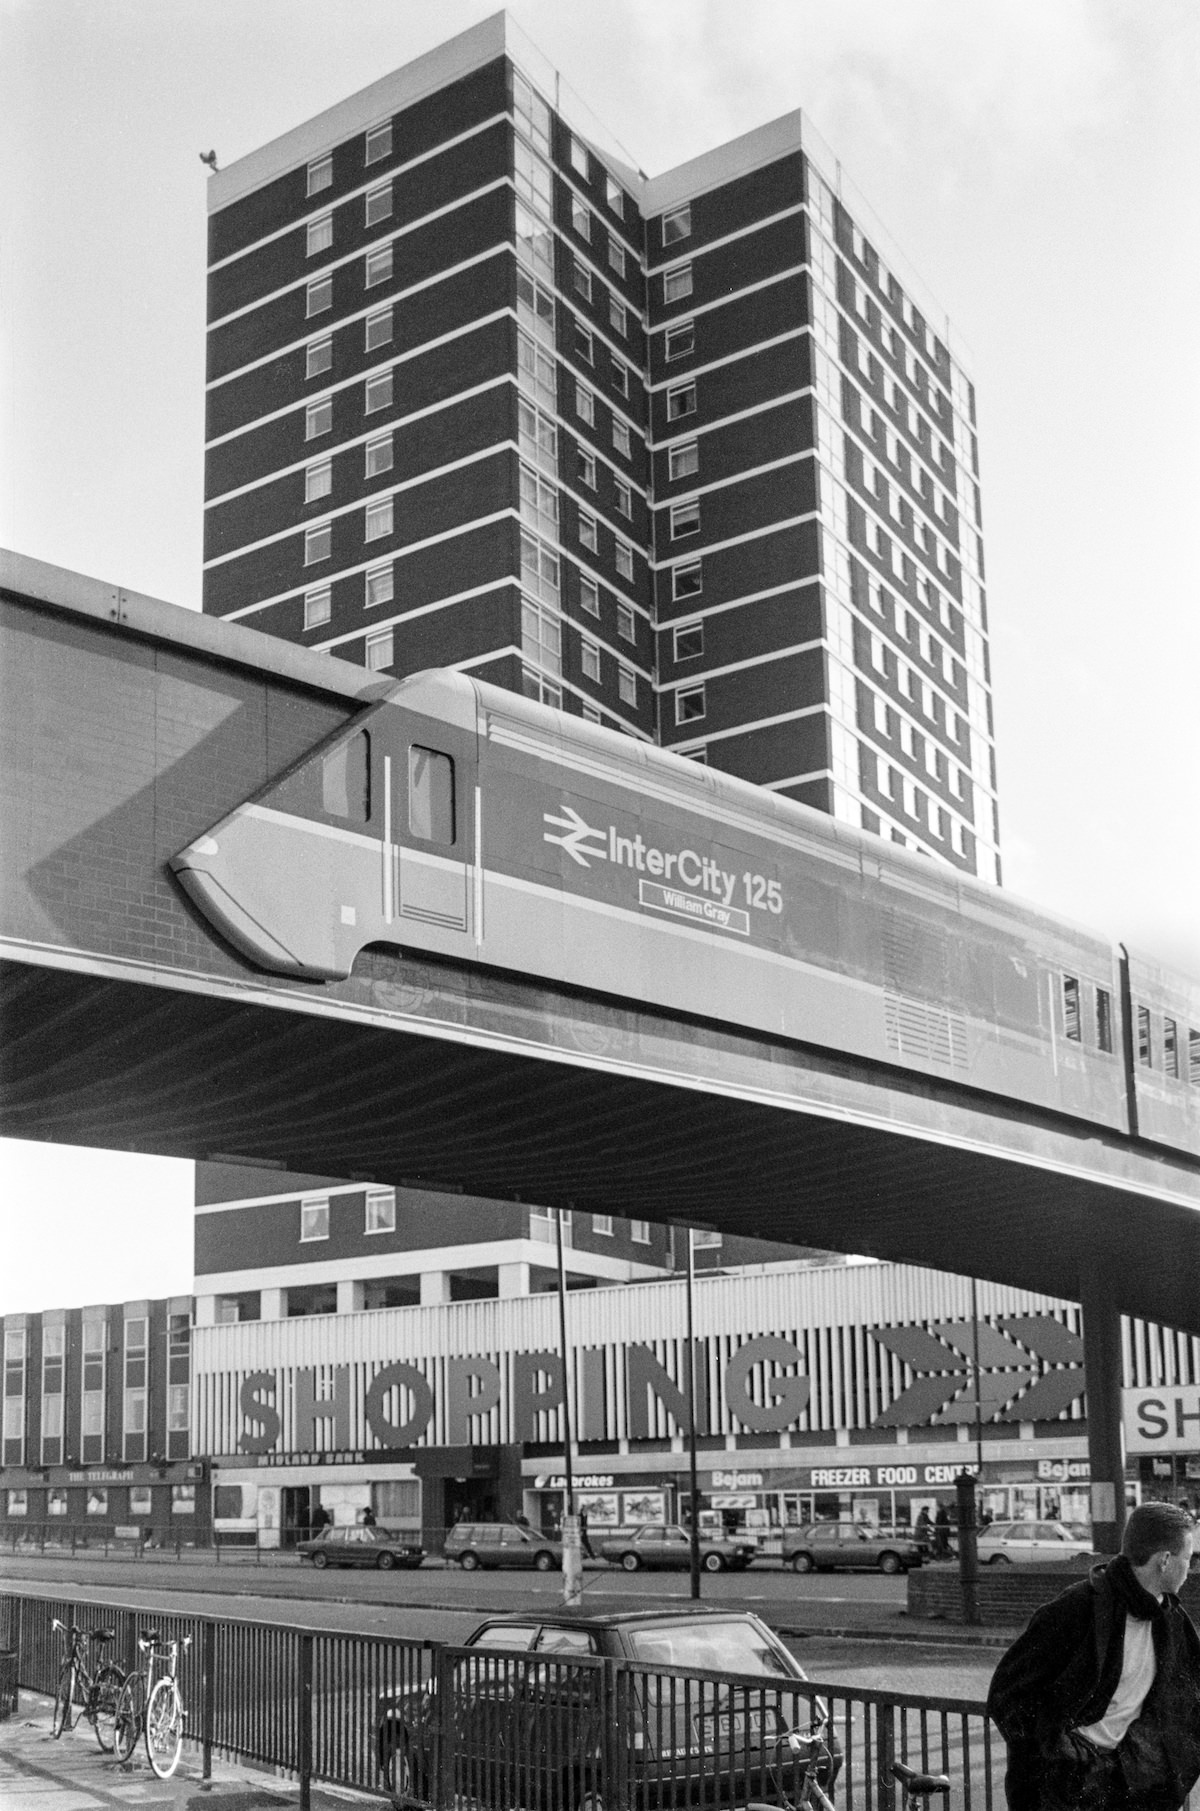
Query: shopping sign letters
<point>469,1401</point>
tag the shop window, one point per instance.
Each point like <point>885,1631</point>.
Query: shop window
<point>183,1499</point>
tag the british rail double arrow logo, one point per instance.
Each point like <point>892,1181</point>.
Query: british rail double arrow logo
<point>1030,1371</point>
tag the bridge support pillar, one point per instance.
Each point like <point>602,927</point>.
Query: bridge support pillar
<point>1102,1363</point>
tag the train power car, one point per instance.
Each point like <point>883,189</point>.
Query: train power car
<point>463,821</point>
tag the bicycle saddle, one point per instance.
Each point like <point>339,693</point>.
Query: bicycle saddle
<point>924,1784</point>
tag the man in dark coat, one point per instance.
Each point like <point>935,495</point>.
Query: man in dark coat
<point>1099,1699</point>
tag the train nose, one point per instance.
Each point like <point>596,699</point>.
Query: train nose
<point>222,874</point>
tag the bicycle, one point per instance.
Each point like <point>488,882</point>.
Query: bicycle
<point>153,1708</point>
<point>93,1683</point>
<point>813,1753</point>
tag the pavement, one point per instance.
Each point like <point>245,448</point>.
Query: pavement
<point>38,1773</point>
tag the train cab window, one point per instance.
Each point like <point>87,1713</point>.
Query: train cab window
<point>1145,1047</point>
<point>1104,1025</point>
<point>430,795</point>
<point>1171,1047</point>
<point>346,779</point>
<point>1072,1019</point>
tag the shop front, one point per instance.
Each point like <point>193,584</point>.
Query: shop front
<point>155,1505</point>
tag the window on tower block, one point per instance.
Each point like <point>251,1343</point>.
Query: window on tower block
<point>689,641</point>
<point>319,296</point>
<point>380,651</point>
<point>677,224</point>
<point>685,519</point>
<point>581,277</point>
<point>587,531</point>
<point>614,194</point>
<point>378,394</point>
<point>320,175</point>
<point>379,203</point>
<point>623,496</point>
<point>586,466</point>
<point>623,554</point>
<point>318,543</point>
<point>616,256</point>
<point>621,439</point>
<point>585,345</point>
<point>589,654</point>
<point>690,704</point>
<point>687,580</point>
<point>683,461</point>
<point>626,684</point>
<point>318,356</point>
<point>378,265</point>
<point>620,376</point>
<point>319,235</point>
<point>532,113</point>
<point>579,157</point>
<point>677,283</point>
<point>681,401</point>
<point>616,315</point>
<point>379,328</point>
<point>680,340</point>
<point>380,586</point>
<point>379,141</point>
<point>317,607</point>
<point>379,455</point>
<point>589,595</point>
<point>318,481</point>
<point>626,625</point>
<point>585,405</point>
<point>381,1210</point>
<point>1072,1018</point>
<point>581,217</point>
<point>378,519</point>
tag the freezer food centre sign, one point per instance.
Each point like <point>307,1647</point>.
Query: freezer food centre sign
<point>516,1398</point>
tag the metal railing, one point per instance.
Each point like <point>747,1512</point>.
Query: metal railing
<point>441,1725</point>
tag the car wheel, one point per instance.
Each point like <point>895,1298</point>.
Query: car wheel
<point>712,1562</point>
<point>802,1562</point>
<point>889,1562</point>
<point>386,1561</point>
<point>401,1778</point>
<point>320,1561</point>
<point>589,1801</point>
<point>630,1562</point>
<point>544,1562</point>
<point>999,1559</point>
<point>469,1562</point>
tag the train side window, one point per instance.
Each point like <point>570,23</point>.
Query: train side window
<point>1104,1030</point>
<point>1171,1047</point>
<point>1145,1048</point>
<point>1071,1014</point>
<point>1194,1058</point>
<point>430,795</point>
<point>346,779</point>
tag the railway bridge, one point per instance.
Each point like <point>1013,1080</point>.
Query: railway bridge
<point>131,726</point>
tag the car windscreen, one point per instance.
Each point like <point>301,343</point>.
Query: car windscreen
<point>723,1646</point>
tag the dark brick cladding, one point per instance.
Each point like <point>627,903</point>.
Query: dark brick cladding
<point>429,122</point>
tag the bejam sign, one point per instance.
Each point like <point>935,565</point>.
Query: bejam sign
<point>304,1411</point>
<point>1166,1420</point>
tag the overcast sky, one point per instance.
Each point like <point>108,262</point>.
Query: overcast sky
<point>1037,162</point>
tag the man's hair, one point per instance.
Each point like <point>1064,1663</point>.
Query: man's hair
<point>1155,1528</point>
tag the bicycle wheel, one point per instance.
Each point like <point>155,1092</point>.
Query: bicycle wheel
<point>62,1701</point>
<point>164,1728</point>
<point>131,1713</point>
<point>103,1705</point>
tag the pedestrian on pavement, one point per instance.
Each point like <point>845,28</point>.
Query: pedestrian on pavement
<point>924,1530</point>
<point>584,1538</point>
<point>1099,1699</point>
<point>941,1533</point>
<point>368,1517</point>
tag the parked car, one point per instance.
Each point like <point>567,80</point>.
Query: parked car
<point>382,1548</point>
<point>1032,1543</point>
<point>848,1547</point>
<point>474,1544</point>
<point>671,1545</point>
<point>526,1723</point>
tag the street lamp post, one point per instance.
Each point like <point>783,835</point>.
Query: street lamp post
<point>691,1402</point>
<point>572,1554</point>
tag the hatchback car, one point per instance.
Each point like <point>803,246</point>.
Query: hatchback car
<point>378,1547</point>
<point>672,1546</point>
<point>1032,1543</point>
<point>474,1544</point>
<point>847,1547</point>
<point>536,1711</point>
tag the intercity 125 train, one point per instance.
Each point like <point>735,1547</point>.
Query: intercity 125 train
<point>456,819</point>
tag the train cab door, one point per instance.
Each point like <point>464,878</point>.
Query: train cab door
<point>429,780</point>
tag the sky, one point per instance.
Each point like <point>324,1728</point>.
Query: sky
<point>1037,162</point>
